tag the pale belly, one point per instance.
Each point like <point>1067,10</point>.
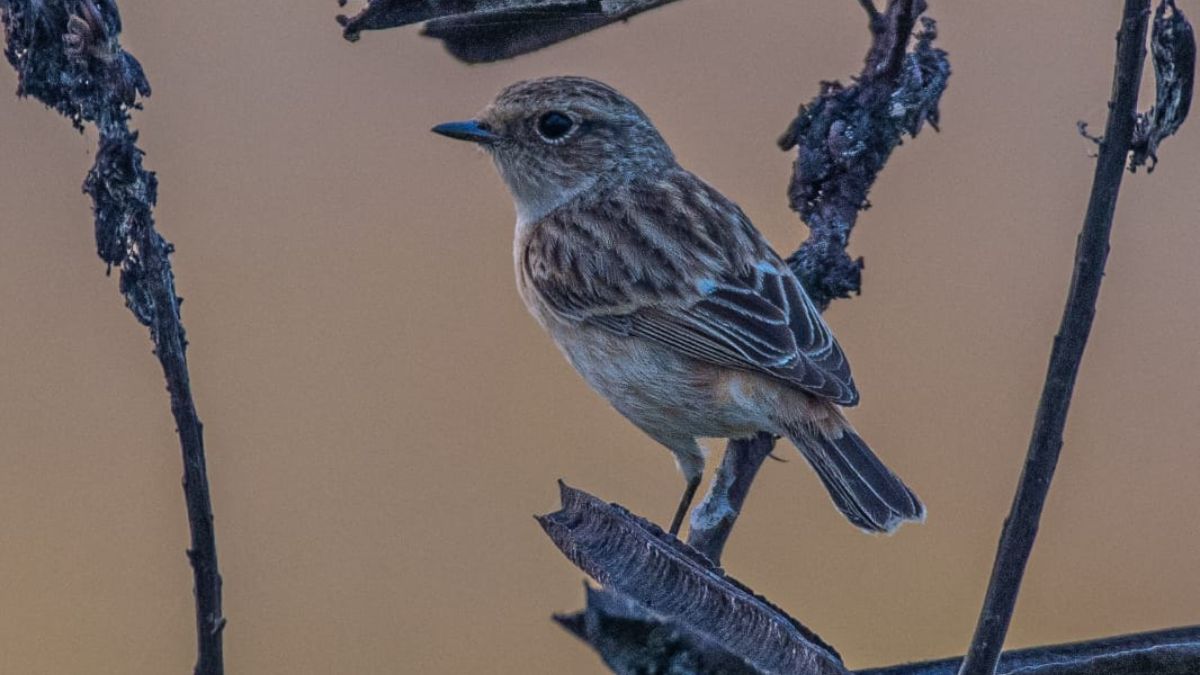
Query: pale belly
<point>671,397</point>
<point>666,394</point>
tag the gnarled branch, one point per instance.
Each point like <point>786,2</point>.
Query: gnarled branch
<point>68,56</point>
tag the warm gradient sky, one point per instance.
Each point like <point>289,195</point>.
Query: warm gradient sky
<point>383,418</point>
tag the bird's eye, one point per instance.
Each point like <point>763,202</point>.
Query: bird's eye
<point>554,125</point>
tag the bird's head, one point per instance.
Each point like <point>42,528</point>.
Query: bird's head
<point>555,137</point>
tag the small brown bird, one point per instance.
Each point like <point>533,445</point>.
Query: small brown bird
<point>665,297</point>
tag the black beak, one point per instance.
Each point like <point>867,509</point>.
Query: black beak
<point>469,130</point>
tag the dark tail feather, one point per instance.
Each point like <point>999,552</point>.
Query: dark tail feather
<point>870,495</point>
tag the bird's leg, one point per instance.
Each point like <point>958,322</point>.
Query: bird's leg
<point>685,503</point>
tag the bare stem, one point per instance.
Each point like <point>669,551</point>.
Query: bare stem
<point>713,520</point>
<point>170,346</point>
<point>67,55</point>
<point>1021,526</point>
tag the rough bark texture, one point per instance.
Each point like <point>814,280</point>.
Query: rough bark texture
<point>844,137</point>
<point>678,592</point>
<point>68,56</point>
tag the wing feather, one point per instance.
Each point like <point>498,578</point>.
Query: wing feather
<point>740,326</point>
<point>744,309</point>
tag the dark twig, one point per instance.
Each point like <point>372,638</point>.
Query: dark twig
<point>67,55</point>
<point>713,520</point>
<point>874,18</point>
<point>676,590</point>
<point>844,137</point>
<point>1021,526</point>
<point>1175,651</point>
<point>477,31</point>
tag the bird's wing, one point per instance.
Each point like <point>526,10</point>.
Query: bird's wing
<point>763,322</point>
<point>715,291</point>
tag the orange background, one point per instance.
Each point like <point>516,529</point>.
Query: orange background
<point>383,418</point>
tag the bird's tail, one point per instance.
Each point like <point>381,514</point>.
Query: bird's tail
<point>870,495</point>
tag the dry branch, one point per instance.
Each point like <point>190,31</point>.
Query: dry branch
<point>673,587</point>
<point>1021,526</point>
<point>67,55</point>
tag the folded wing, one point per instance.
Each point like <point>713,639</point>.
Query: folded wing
<point>675,262</point>
<point>764,322</point>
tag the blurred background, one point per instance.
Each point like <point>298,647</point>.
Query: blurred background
<point>383,417</point>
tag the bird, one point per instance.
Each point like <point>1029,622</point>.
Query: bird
<point>665,297</point>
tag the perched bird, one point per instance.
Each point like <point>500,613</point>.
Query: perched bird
<point>665,297</point>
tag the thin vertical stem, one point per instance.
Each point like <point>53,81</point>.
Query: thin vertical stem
<point>1021,526</point>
